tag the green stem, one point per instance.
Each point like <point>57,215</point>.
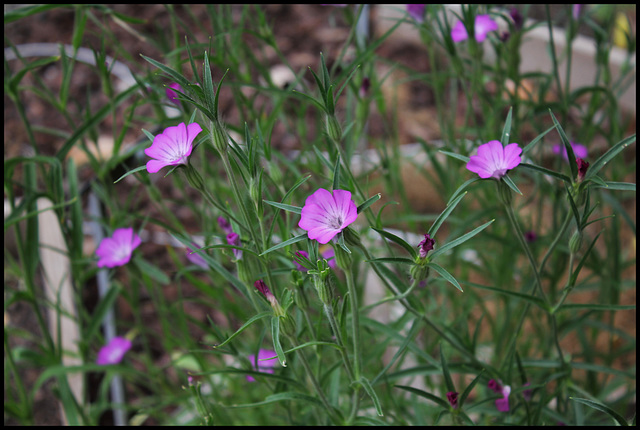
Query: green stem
<point>355,323</point>
<point>328,310</point>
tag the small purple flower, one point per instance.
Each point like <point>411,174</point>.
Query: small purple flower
<point>426,245</point>
<point>196,258</point>
<point>494,386</point>
<point>233,239</point>
<point>325,214</point>
<point>515,15</point>
<point>493,160</point>
<point>452,397</point>
<point>483,24</point>
<point>172,146</point>
<point>224,225</point>
<point>116,250</point>
<point>580,151</point>
<point>299,266</point>
<point>527,393</point>
<point>262,287</point>
<point>583,166</point>
<point>416,11</point>
<point>171,94</point>
<point>530,236</point>
<point>266,361</point>
<point>330,256</point>
<point>502,404</point>
<point>114,351</point>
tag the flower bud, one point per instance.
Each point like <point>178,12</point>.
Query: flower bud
<point>193,177</point>
<point>344,259</point>
<point>219,137</point>
<point>322,282</point>
<point>575,242</point>
<point>333,128</point>
<point>504,193</point>
<point>419,271</point>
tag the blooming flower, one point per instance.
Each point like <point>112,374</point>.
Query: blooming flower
<point>196,258</point>
<point>116,250</point>
<point>171,94</point>
<point>580,151</point>
<point>329,255</point>
<point>172,146</point>
<point>502,404</point>
<point>114,351</point>
<point>234,240</point>
<point>324,214</point>
<point>426,245</point>
<point>264,362</point>
<point>483,24</point>
<point>452,396</point>
<point>416,11</point>
<point>493,160</point>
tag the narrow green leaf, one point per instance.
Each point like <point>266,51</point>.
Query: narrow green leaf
<point>280,397</point>
<point>533,300</point>
<point>371,200</point>
<point>536,140</point>
<point>461,188</point>
<point>149,269</point>
<point>467,390</point>
<point>291,241</point>
<point>446,275</point>
<point>399,260</point>
<point>608,156</point>
<point>445,371</point>
<point>619,186</point>
<point>595,307</point>
<point>137,169</point>
<point>400,241</point>
<point>459,240</point>
<point>567,144</point>
<point>456,155</point>
<point>429,396</point>
<point>336,175</point>
<point>444,215</point>
<point>507,180</point>
<point>603,408</point>
<point>246,325</point>
<point>275,335</point>
<point>100,311</point>
<point>372,394</point>
<point>288,208</point>
<point>506,131</point>
<point>548,172</point>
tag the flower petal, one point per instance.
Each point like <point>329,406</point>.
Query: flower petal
<point>459,32</point>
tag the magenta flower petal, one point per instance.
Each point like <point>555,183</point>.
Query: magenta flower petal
<point>483,25</point>
<point>416,11</point>
<point>171,94</point>
<point>196,258</point>
<point>459,32</point>
<point>329,255</point>
<point>172,146</point>
<point>493,160</point>
<point>267,360</point>
<point>116,250</point>
<point>324,214</point>
<point>502,404</point>
<point>114,351</point>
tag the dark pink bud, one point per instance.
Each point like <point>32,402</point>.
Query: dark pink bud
<point>582,168</point>
<point>494,386</point>
<point>426,245</point>
<point>262,287</point>
<point>452,396</point>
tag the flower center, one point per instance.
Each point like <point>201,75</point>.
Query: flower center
<point>336,223</point>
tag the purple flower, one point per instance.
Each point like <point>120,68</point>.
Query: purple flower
<point>580,151</point>
<point>416,11</point>
<point>583,166</point>
<point>452,396</point>
<point>171,94</point>
<point>329,255</point>
<point>527,393</point>
<point>262,287</point>
<point>234,240</point>
<point>299,266</point>
<point>426,245</point>
<point>172,146</point>
<point>265,363</point>
<point>224,225</point>
<point>324,214</point>
<point>530,236</point>
<point>494,386</point>
<point>515,15</point>
<point>114,351</point>
<point>483,24</point>
<point>196,258</point>
<point>502,404</point>
<point>116,250</point>
<point>493,160</point>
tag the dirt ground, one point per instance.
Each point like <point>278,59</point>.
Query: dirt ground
<point>301,31</point>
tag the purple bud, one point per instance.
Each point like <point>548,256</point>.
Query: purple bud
<point>494,386</point>
<point>582,168</point>
<point>262,287</point>
<point>426,245</point>
<point>452,396</point>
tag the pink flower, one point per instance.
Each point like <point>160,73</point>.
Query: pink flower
<point>224,225</point>
<point>324,214</point>
<point>452,396</point>
<point>171,94</point>
<point>114,351</point>
<point>329,255</point>
<point>483,24</point>
<point>580,151</point>
<point>196,258</point>
<point>265,362</point>
<point>172,146</point>
<point>502,404</point>
<point>233,239</point>
<point>116,250</point>
<point>426,245</point>
<point>416,11</point>
<point>493,160</point>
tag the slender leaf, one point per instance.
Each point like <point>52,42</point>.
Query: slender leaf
<point>426,395</point>
<point>603,408</point>
<point>246,325</point>
<point>459,240</point>
<point>446,275</point>
<point>371,200</point>
<point>372,394</point>
<point>288,208</point>
<point>392,237</point>
<point>275,335</point>
<point>291,241</point>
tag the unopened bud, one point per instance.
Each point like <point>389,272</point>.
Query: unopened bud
<point>575,242</point>
<point>343,258</point>
<point>322,281</point>
<point>333,128</point>
<point>219,137</point>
